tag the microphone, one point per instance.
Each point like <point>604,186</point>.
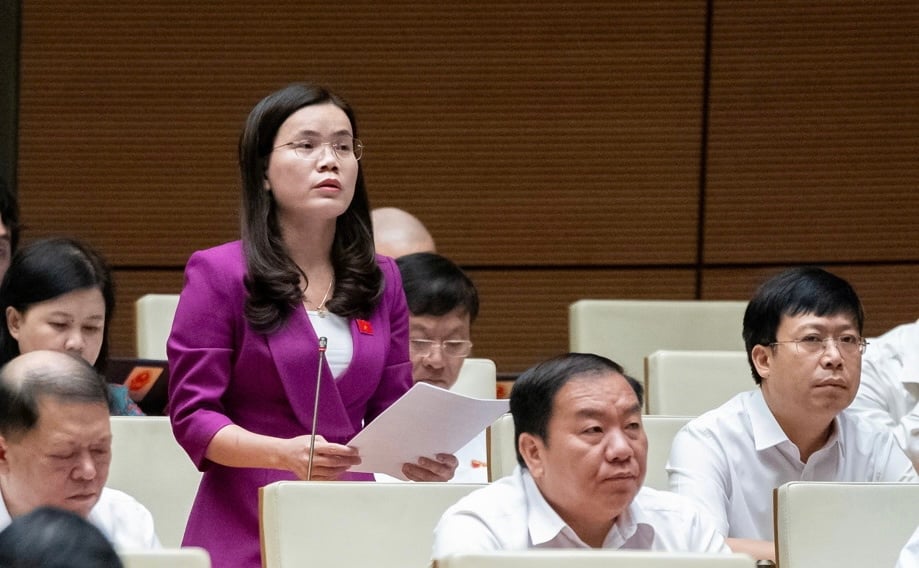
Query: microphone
<point>309,467</point>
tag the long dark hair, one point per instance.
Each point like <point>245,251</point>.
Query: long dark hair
<point>273,279</point>
<point>49,268</point>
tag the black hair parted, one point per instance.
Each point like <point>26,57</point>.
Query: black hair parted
<point>534,391</point>
<point>793,292</point>
<point>434,286</point>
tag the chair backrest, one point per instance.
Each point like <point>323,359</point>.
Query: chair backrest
<point>627,331</point>
<point>502,455</point>
<point>155,313</point>
<point>832,524</point>
<point>384,525</point>
<point>149,465</point>
<point>688,383</point>
<point>576,558</point>
<point>502,450</point>
<point>660,431</point>
<point>477,378</point>
<point>191,557</point>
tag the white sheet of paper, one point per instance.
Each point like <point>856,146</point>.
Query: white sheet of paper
<point>426,421</point>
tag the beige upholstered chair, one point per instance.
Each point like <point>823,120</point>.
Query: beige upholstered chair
<point>689,383</point>
<point>149,465</point>
<point>191,557</point>
<point>477,378</point>
<point>627,331</point>
<point>155,313</point>
<point>502,456</point>
<point>502,453</point>
<point>834,524</point>
<point>660,431</point>
<point>594,559</point>
<point>379,525</point>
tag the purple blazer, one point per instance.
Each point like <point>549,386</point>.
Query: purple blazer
<point>224,372</point>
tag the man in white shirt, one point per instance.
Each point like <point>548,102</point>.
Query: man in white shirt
<point>889,393</point>
<point>55,447</point>
<point>442,303</point>
<point>803,334</point>
<point>582,456</point>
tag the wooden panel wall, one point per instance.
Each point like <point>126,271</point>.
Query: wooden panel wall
<point>666,149</point>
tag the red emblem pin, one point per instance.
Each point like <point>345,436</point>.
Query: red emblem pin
<point>364,327</point>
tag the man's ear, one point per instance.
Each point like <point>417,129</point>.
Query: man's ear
<point>762,359</point>
<point>13,321</point>
<point>532,449</point>
<point>4,455</point>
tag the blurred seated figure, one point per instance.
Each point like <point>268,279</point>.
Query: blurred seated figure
<point>9,226</point>
<point>55,447</point>
<point>398,233</point>
<point>909,556</point>
<point>888,395</point>
<point>59,294</point>
<point>442,303</point>
<point>49,537</point>
<point>582,456</point>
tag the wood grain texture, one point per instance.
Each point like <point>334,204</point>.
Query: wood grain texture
<point>814,132</point>
<point>557,150</point>
<point>889,292</point>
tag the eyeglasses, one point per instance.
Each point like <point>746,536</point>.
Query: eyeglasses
<point>450,348</point>
<point>814,344</point>
<point>311,148</point>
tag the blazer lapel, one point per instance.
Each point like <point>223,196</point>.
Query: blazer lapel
<point>294,350</point>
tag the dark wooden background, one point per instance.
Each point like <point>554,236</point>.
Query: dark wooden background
<point>557,150</point>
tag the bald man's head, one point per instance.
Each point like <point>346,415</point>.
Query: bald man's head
<point>37,374</point>
<point>398,233</point>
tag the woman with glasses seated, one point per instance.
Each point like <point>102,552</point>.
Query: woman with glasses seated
<point>245,349</point>
<point>58,294</point>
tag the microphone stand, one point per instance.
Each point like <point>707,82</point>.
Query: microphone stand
<point>309,468</point>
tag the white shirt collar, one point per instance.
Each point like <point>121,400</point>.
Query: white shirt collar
<point>767,432</point>
<point>546,526</point>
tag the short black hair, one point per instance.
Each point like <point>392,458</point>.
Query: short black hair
<point>434,286</point>
<point>533,393</point>
<point>54,538</point>
<point>20,394</point>
<point>793,292</point>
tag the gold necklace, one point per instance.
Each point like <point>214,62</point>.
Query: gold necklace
<point>320,309</point>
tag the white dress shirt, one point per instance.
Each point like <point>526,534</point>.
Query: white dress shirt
<point>126,523</point>
<point>730,459</point>
<point>511,514</point>
<point>909,556</point>
<point>889,392</point>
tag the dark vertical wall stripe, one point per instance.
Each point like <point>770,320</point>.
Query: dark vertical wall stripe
<point>9,88</point>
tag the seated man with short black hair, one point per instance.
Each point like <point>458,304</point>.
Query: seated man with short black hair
<point>582,454</point>
<point>55,447</point>
<point>803,334</point>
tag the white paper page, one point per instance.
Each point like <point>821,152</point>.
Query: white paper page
<point>427,420</point>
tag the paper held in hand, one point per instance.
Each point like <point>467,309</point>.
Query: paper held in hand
<point>426,421</point>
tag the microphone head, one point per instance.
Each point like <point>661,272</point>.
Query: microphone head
<point>322,344</point>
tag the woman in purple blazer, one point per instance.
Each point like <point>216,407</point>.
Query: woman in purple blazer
<point>244,349</point>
